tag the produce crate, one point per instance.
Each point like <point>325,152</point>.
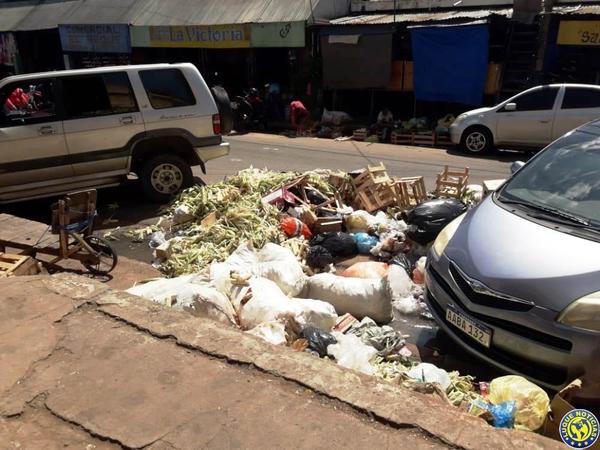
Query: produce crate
<point>452,183</point>
<point>359,134</point>
<point>443,141</point>
<point>424,139</point>
<point>401,138</point>
<point>376,197</point>
<point>411,191</point>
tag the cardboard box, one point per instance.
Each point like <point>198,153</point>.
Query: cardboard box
<point>559,407</point>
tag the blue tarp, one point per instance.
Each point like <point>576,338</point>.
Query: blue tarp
<point>450,63</point>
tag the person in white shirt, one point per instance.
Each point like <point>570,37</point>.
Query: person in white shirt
<point>384,125</point>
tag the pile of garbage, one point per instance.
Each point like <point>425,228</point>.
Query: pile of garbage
<point>297,260</point>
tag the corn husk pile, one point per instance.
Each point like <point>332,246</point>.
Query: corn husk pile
<point>240,216</point>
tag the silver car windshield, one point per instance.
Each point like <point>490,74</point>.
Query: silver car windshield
<point>563,181</point>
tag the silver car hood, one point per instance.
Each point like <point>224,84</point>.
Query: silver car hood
<point>524,259</point>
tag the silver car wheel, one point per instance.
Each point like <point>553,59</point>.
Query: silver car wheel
<point>166,178</point>
<point>476,141</point>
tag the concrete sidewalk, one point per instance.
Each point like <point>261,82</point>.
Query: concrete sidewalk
<point>84,366</point>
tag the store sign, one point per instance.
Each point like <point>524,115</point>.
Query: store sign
<point>95,38</point>
<point>197,36</point>
<point>282,34</point>
<point>579,32</point>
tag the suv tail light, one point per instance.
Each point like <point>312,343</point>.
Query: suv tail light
<point>216,123</point>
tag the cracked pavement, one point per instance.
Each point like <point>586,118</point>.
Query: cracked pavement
<point>84,366</point>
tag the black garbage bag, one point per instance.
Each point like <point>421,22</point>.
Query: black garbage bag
<point>427,220</point>
<point>318,257</point>
<point>339,244</point>
<point>402,260</point>
<point>318,340</point>
<point>315,197</point>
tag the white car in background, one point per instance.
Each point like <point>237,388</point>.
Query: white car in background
<point>532,119</point>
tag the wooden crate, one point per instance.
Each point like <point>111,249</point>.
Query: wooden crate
<point>424,139</point>
<point>411,191</point>
<point>443,141</point>
<point>360,134</point>
<point>376,197</point>
<point>17,265</point>
<point>452,183</point>
<point>370,176</point>
<point>401,138</point>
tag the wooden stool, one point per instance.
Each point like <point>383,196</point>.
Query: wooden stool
<point>452,183</point>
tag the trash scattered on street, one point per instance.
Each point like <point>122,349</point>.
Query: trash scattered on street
<point>260,252</point>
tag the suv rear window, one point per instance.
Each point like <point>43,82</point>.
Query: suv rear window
<point>167,88</point>
<point>576,98</point>
<point>98,95</point>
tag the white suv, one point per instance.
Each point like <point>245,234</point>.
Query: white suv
<point>68,130</point>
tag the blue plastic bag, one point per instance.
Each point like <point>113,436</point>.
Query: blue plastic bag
<point>504,414</point>
<point>365,242</point>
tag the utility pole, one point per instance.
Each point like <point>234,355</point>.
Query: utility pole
<point>545,29</point>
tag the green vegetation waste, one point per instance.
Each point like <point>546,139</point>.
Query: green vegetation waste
<point>240,216</point>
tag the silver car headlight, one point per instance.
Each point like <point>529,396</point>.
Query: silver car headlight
<point>446,234</point>
<point>583,313</point>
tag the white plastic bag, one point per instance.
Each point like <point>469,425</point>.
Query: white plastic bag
<point>268,303</point>
<point>350,352</point>
<point>272,332</point>
<point>400,283</point>
<point>273,262</point>
<point>279,264</point>
<point>189,293</point>
<point>360,297</point>
<point>428,373</point>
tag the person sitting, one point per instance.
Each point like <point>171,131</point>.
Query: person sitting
<point>384,125</point>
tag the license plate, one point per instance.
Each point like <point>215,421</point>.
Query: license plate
<point>471,328</point>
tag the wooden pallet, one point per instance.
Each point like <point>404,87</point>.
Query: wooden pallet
<point>12,265</point>
<point>452,183</point>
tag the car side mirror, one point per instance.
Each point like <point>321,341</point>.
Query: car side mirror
<point>516,166</point>
<point>510,107</point>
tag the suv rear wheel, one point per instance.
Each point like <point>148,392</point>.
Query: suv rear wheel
<point>165,175</point>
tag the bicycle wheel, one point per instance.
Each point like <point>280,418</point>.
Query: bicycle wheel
<point>107,257</point>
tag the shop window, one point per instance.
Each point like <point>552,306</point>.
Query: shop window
<point>580,98</point>
<point>539,100</point>
<point>28,102</point>
<point>167,88</point>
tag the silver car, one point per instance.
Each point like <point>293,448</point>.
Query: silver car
<point>531,119</point>
<point>516,280</point>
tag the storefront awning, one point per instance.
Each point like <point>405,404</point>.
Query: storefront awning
<point>422,17</point>
<point>42,14</point>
